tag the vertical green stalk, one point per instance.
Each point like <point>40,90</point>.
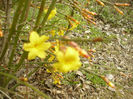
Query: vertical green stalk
<point>13,27</point>
<point>47,14</point>
<point>18,66</point>
<point>39,15</point>
<point>24,55</point>
<point>22,19</point>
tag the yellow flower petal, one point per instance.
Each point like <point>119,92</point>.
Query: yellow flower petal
<point>43,38</point>
<point>32,54</point>
<point>34,37</point>
<point>27,46</point>
<point>41,54</point>
<point>47,45</point>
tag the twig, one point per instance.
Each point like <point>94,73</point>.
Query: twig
<point>5,94</point>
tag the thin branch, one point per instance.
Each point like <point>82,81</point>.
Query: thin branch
<point>5,94</point>
<point>13,27</point>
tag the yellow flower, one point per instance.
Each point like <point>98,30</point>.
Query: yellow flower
<point>67,61</point>
<point>52,14</point>
<point>37,46</point>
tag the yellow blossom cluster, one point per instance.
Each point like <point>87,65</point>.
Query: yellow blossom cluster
<point>68,58</point>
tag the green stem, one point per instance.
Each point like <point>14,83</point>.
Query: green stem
<point>89,71</point>
<point>22,18</point>
<point>27,4</point>
<point>24,55</point>
<point>18,66</point>
<point>13,27</point>
<point>72,39</point>
<point>47,14</point>
<point>17,30</point>
<point>39,15</point>
<point>26,84</point>
<point>40,63</point>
